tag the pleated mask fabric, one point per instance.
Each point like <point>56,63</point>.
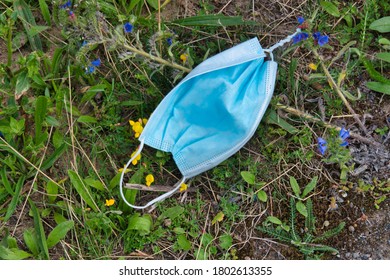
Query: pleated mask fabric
<point>213,111</point>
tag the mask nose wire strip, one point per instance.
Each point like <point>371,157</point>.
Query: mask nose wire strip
<point>157,199</point>
<point>281,43</point>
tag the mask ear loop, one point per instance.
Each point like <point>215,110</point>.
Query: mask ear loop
<point>157,199</point>
<point>281,43</point>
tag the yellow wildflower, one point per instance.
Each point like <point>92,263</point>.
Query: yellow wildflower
<point>312,66</point>
<point>183,187</point>
<point>149,179</point>
<point>138,126</point>
<point>184,57</point>
<point>135,161</point>
<point>110,202</point>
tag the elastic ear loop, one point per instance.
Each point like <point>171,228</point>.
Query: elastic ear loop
<point>157,199</point>
<point>281,43</point>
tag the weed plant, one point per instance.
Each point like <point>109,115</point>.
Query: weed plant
<point>78,81</point>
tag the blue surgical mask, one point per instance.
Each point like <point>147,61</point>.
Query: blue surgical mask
<point>213,111</point>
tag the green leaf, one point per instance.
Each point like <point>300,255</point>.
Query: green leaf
<point>171,213</point>
<point>22,84</point>
<point>183,242</point>
<point>213,20</point>
<point>12,254</point>
<point>31,240</point>
<point>384,56</point>
<point>285,227</point>
<point>40,115</point>
<point>379,87</point>
<point>133,3</point>
<point>36,29</point>
<point>153,3</point>
<point>273,118</point>
<point>309,187</point>
<point>92,91</point>
<point>142,224</point>
<point>274,220</point>
<point>301,208</point>
<point>54,157</point>
<point>6,183</point>
<point>381,25</point>
<point>87,119</point>
<point>295,187</point>
<point>225,241</point>
<point>27,18</point>
<point>131,103</point>
<point>58,56</point>
<point>218,218</point>
<point>45,11</point>
<point>58,233</point>
<point>52,191</point>
<point>39,231</point>
<point>15,198</point>
<point>262,196</point>
<point>384,41</point>
<point>58,218</point>
<point>248,177</point>
<point>348,95</point>
<point>82,189</point>
<point>330,8</point>
<point>95,184</point>
<point>58,139</point>
<point>52,121</point>
<point>179,230</point>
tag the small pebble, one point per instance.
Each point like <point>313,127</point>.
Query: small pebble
<point>247,258</point>
<point>326,223</point>
<point>167,222</point>
<point>355,255</point>
<point>348,255</point>
<point>351,228</point>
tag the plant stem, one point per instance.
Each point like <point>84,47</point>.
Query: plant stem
<point>9,44</point>
<point>325,124</point>
<point>339,92</point>
<point>157,59</point>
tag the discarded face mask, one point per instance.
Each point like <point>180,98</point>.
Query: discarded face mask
<point>213,111</point>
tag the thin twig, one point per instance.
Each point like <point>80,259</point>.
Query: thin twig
<point>154,188</point>
<point>339,92</point>
<point>156,58</point>
<point>326,124</point>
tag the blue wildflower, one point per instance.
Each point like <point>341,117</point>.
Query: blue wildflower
<point>169,41</point>
<point>316,35</point>
<point>1,135</point>
<point>301,20</point>
<point>322,145</point>
<point>96,62</point>
<point>68,4</point>
<point>323,40</point>
<point>90,69</point>
<point>84,43</point>
<point>344,134</point>
<point>128,27</point>
<point>300,37</point>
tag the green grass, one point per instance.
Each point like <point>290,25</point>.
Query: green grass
<point>66,132</point>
